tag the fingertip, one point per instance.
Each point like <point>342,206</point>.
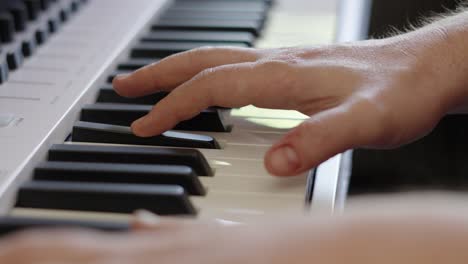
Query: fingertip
<point>120,84</point>
<point>147,126</point>
<point>139,127</point>
<point>282,160</point>
<point>143,219</point>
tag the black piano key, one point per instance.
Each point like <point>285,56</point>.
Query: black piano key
<point>180,175</point>
<point>107,94</point>
<point>41,36</point>
<point>209,120</point>
<point>134,64</point>
<point>53,25</point>
<point>113,114</point>
<point>15,59</point>
<point>20,15</point>
<point>200,36</point>
<point>253,27</point>
<point>7,27</point>
<point>167,48</point>
<point>44,4</point>
<point>74,6</point>
<point>105,197</point>
<point>104,133</point>
<point>9,225</point>
<point>64,15</point>
<point>28,47</point>
<point>33,7</point>
<point>132,155</point>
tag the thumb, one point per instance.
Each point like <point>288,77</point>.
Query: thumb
<point>313,142</point>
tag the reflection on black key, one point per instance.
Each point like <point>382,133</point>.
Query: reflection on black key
<point>134,64</point>
<point>104,197</point>
<point>107,94</point>
<point>124,114</point>
<point>167,48</point>
<point>13,224</point>
<point>253,27</point>
<point>134,155</point>
<point>120,173</point>
<point>200,36</point>
<point>103,133</point>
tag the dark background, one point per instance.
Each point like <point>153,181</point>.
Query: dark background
<point>398,13</point>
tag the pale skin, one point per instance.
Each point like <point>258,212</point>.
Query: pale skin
<point>378,93</point>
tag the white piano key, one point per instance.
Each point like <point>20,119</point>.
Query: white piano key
<point>294,186</point>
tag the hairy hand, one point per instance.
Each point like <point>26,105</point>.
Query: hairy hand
<point>378,93</point>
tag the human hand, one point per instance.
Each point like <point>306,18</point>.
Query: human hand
<point>154,240</point>
<point>378,93</point>
<point>411,230</point>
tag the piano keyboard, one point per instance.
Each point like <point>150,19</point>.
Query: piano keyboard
<point>67,154</point>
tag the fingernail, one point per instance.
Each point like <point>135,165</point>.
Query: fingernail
<point>284,160</point>
<point>121,77</point>
<point>147,218</point>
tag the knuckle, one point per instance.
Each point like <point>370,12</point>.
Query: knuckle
<point>279,74</point>
<point>205,49</point>
<point>194,55</point>
<point>191,59</point>
<point>206,73</point>
<point>291,56</point>
<point>272,64</point>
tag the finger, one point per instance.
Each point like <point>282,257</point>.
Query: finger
<point>143,219</point>
<point>322,136</point>
<point>147,223</point>
<point>228,86</point>
<point>177,69</point>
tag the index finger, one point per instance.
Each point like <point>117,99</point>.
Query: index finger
<point>179,68</point>
<point>228,86</point>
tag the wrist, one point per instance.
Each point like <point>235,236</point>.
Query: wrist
<point>441,50</point>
